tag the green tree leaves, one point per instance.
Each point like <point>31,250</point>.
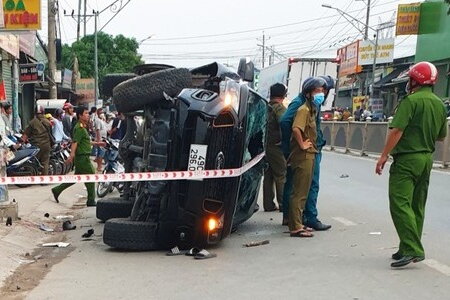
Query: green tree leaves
<point>115,55</point>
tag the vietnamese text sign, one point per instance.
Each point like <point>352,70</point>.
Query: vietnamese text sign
<point>31,73</point>
<point>10,43</point>
<point>22,14</point>
<point>385,52</point>
<point>86,88</point>
<point>348,57</point>
<point>408,16</point>
<point>359,102</point>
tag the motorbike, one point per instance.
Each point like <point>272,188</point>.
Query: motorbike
<point>59,154</point>
<point>113,166</point>
<point>25,162</point>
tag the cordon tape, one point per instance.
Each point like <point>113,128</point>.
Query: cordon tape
<point>148,176</point>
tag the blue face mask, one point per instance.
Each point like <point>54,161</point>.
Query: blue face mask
<point>318,99</point>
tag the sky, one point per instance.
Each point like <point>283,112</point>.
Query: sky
<point>192,33</point>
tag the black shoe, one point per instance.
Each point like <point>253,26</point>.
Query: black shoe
<point>55,196</point>
<point>406,260</point>
<point>397,255</point>
<point>318,226</point>
<point>90,204</point>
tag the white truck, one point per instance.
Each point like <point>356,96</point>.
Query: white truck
<point>292,72</point>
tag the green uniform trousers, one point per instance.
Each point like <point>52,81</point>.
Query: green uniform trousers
<point>302,175</point>
<point>83,165</point>
<point>274,174</point>
<point>408,188</point>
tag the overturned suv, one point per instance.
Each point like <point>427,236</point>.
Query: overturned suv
<point>207,118</point>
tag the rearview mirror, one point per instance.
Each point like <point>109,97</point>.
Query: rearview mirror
<point>246,70</point>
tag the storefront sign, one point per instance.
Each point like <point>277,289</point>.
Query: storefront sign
<point>85,87</point>
<point>348,57</point>
<point>10,43</point>
<point>67,78</point>
<point>27,43</point>
<point>346,82</point>
<point>22,14</point>
<point>376,106</point>
<point>385,52</point>
<point>408,17</point>
<point>2,91</point>
<point>31,73</point>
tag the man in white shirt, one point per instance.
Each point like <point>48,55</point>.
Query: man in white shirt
<point>100,134</point>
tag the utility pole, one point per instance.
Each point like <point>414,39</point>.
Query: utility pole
<point>366,30</point>
<point>84,19</point>
<point>52,49</point>
<point>96,13</point>
<point>263,49</point>
<point>79,20</point>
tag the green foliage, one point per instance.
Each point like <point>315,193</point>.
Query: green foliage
<point>115,55</point>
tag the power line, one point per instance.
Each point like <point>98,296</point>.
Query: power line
<point>257,29</point>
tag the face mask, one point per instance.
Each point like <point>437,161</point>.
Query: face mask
<point>318,99</point>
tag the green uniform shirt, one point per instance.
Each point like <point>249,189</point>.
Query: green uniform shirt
<point>423,119</point>
<point>81,137</point>
<point>276,111</point>
<point>38,131</point>
<point>305,120</point>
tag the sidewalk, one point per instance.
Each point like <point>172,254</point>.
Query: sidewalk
<point>24,235</point>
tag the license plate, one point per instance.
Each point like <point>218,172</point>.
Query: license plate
<point>197,157</point>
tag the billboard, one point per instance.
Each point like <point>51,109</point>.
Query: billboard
<point>348,57</point>
<point>22,14</point>
<point>385,52</point>
<point>85,87</point>
<point>408,17</point>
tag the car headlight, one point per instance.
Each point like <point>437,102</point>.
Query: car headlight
<point>229,93</point>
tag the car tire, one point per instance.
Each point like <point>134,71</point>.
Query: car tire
<point>111,208</point>
<point>149,89</point>
<point>130,235</point>
<point>110,81</point>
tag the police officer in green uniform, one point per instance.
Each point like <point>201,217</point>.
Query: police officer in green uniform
<point>276,172</point>
<point>80,155</point>
<point>38,132</point>
<point>419,122</point>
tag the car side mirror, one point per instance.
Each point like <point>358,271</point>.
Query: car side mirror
<point>246,70</point>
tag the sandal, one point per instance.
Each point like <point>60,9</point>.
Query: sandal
<point>302,234</point>
<point>309,229</point>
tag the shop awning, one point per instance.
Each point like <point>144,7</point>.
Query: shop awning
<point>392,78</point>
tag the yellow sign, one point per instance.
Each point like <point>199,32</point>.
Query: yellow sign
<point>359,102</point>
<point>22,14</point>
<point>408,17</point>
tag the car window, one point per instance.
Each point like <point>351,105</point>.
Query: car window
<point>255,127</point>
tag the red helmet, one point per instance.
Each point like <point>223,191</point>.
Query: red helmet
<point>424,73</point>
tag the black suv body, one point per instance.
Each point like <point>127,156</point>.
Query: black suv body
<point>216,123</point>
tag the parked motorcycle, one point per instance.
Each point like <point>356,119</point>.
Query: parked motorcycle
<point>113,166</point>
<point>25,162</point>
<point>59,154</point>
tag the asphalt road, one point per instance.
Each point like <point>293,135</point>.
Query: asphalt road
<point>351,261</point>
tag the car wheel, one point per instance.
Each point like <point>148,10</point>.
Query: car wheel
<point>130,235</point>
<point>149,89</point>
<point>110,81</point>
<point>113,208</point>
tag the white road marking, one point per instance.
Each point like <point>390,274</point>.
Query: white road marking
<point>434,264</point>
<point>344,221</point>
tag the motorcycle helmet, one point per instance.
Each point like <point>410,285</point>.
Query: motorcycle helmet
<point>423,73</point>
<point>329,80</point>
<point>312,83</point>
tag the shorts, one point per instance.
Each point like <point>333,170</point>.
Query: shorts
<point>98,151</point>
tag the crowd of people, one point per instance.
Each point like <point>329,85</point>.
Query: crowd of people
<point>295,141</point>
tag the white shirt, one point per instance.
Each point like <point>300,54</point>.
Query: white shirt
<point>101,125</point>
<point>58,131</point>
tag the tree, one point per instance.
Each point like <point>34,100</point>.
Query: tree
<point>115,55</point>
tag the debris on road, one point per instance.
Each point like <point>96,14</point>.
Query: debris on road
<point>204,254</point>
<point>344,176</point>
<point>254,244</point>
<point>58,244</point>
<point>88,234</point>
<point>375,233</point>
<point>45,228</point>
<point>176,251</point>
<point>9,221</point>
<point>46,215</point>
<point>67,225</point>
<point>63,217</point>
